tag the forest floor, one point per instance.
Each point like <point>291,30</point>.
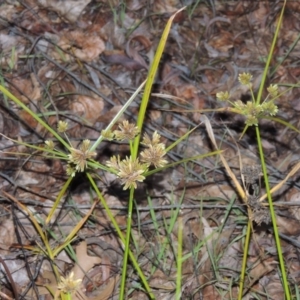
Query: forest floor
<point>79,61</point>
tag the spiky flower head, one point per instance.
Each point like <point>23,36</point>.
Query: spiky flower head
<point>131,171</point>
<point>245,78</point>
<point>128,131</point>
<point>155,151</point>
<point>251,120</point>
<point>114,162</point>
<point>62,126</point>
<point>68,284</point>
<point>108,135</point>
<point>147,141</point>
<point>273,90</point>
<point>153,155</point>
<point>49,144</point>
<point>269,108</point>
<point>70,170</point>
<point>252,109</point>
<point>79,157</point>
<point>239,105</point>
<point>223,96</point>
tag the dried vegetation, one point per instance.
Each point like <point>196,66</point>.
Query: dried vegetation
<point>79,61</point>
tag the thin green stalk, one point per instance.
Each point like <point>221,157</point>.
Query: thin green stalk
<point>286,55</point>
<point>270,56</point>
<point>2,83</point>
<point>118,115</point>
<point>179,259</point>
<point>38,119</point>
<point>273,217</point>
<point>70,237</point>
<point>135,147</point>
<point>121,236</point>
<point>197,157</point>
<point>169,229</point>
<point>58,198</point>
<point>150,80</point>
<point>127,244</point>
<point>39,229</point>
<point>244,263</point>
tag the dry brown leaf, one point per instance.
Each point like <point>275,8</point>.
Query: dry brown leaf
<point>68,9</point>
<point>120,58</point>
<point>274,288</point>
<point>89,108</point>
<point>165,6</point>
<point>7,12</point>
<point>288,226</point>
<point>222,43</point>
<point>160,280</point>
<point>86,263</point>
<point>106,293</point>
<point>259,270</point>
<point>181,91</point>
<point>86,47</point>
<point>210,293</point>
<point>294,196</point>
<point>132,50</point>
<point>26,89</point>
<point>135,4</point>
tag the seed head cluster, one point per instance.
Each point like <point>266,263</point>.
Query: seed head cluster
<point>68,284</point>
<point>129,170</point>
<point>78,158</point>
<point>251,110</point>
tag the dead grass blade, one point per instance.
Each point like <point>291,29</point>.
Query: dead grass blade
<point>280,184</point>
<point>29,213</point>
<point>74,231</point>
<point>210,132</point>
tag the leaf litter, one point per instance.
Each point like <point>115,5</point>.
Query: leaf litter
<point>79,61</point>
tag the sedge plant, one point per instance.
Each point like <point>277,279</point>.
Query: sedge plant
<point>139,164</point>
<point>253,111</point>
<point>130,170</point>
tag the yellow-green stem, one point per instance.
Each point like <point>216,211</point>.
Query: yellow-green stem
<point>121,236</point>
<point>38,119</point>
<point>244,263</point>
<point>273,217</point>
<point>179,259</point>
<point>127,244</point>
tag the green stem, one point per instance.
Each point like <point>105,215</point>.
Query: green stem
<point>273,217</point>
<point>244,263</point>
<point>118,115</point>
<point>127,244</point>
<point>270,56</point>
<point>121,236</point>
<point>57,201</point>
<point>179,259</point>
<point>38,119</point>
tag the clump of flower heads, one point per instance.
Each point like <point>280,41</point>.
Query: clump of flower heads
<point>126,132</point>
<point>251,110</point>
<point>77,158</point>
<point>129,170</point>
